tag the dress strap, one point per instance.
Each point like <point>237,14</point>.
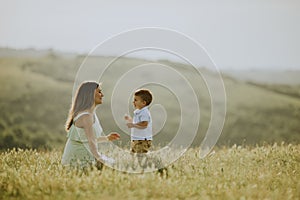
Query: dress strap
<point>80,114</point>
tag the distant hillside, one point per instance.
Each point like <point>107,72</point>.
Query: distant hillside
<point>32,53</point>
<point>35,95</point>
<point>270,77</point>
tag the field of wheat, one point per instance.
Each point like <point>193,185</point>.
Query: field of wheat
<point>236,172</point>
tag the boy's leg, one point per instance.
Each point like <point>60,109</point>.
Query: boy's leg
<point>133,153</point>
<point>141,148</point>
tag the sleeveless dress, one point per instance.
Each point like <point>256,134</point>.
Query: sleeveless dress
<point>77,151</point>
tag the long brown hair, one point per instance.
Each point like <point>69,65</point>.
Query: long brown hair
<point>84,99</point>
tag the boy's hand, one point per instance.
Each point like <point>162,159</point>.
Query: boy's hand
<point>130,125</point>
<point>128,118</point>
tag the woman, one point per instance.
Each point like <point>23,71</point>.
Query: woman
<point>84,129</point>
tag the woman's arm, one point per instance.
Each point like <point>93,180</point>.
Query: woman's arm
<point>86,122</point>
<point>112,136</point>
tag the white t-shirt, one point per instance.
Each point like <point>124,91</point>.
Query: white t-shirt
<point>140,115</point>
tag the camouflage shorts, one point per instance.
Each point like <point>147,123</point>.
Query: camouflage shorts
<point>140,146</point>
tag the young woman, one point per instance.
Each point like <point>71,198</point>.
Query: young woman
<point>83,128</point>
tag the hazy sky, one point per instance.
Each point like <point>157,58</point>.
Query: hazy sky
<point>236,33</point>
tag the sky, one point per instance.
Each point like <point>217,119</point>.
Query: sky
<point>237,34</point>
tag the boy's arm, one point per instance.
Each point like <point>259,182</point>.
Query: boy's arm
<point>139,125</point>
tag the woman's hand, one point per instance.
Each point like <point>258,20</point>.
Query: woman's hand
<point>113,136</point>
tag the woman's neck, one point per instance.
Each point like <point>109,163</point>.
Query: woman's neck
<point>91,110</point>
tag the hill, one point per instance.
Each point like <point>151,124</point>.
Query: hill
<point>36,91</point>
<point>269,77</point>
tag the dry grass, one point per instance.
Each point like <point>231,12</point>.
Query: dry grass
<point>262,172</point>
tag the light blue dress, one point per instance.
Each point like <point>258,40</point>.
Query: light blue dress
<point>77,151</point>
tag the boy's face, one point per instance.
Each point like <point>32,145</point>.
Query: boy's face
<point>138,102</point>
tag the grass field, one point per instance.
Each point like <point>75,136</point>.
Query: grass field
<point>237,172</point>
<point>35,95</point>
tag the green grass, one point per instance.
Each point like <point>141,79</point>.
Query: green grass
<point>238,172</point>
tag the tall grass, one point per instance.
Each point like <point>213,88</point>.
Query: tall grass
<point>238,172</point>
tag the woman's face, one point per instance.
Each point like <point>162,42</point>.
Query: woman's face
<point>98,96</point>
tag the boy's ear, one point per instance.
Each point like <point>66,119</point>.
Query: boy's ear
<point>144,102</point>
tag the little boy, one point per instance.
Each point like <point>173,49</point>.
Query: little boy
<point>141,124</point>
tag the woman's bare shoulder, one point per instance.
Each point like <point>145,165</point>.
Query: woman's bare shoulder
<point>84,120</point>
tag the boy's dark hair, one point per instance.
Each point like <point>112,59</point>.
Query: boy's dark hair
<point>145,95</point>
